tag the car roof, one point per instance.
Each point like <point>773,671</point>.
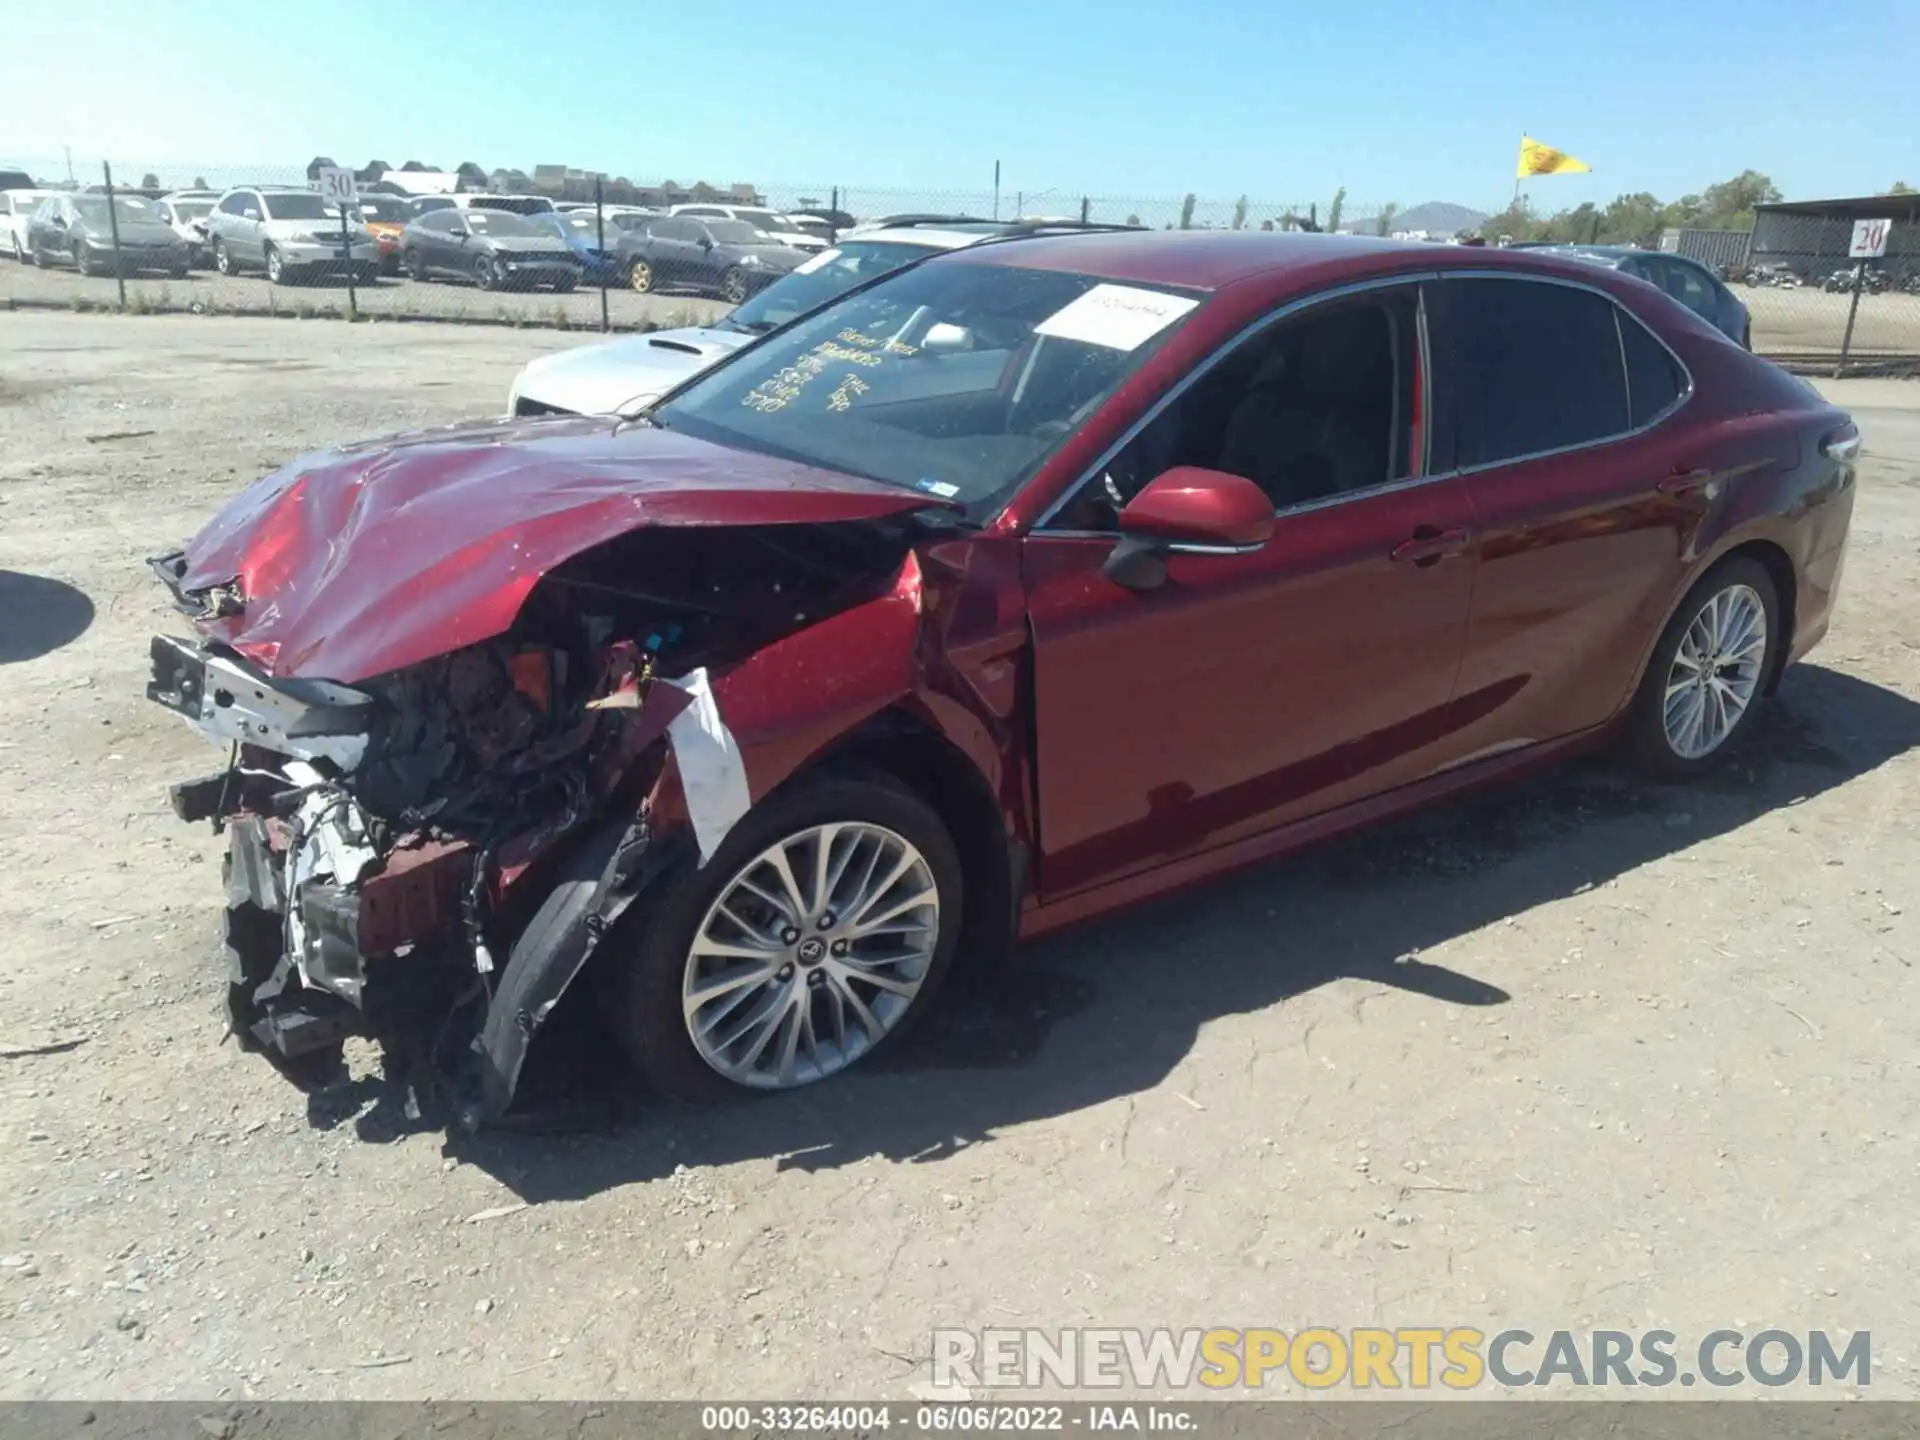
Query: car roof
<point>1215,260</point>
<point>947,237</point>
<point>1195,259</point>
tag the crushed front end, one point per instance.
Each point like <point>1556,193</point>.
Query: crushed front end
<point>379,836</point>
<point>431,854</point>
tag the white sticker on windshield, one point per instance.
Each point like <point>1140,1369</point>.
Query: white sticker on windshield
<point>818,262</point>
<point>1119,317</point>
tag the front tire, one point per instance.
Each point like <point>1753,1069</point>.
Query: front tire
<point>1708,673</point>
<point>416,270</point>
<point>733,285</point>
<point>484,274</point>
<point>276,267</point>
<point>640,278</point>
<point>736,981</point>
<point>80,260</point>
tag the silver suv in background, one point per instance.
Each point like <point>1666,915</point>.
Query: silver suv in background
<point>288,233</point>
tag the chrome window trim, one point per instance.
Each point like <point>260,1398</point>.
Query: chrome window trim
<point>1633,431</point>
<point>1417,278</point>
<point>1199,372</point>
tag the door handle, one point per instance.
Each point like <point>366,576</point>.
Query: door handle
<point>1428,545</point>
<point>1689,482</point>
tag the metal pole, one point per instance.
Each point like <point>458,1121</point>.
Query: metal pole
<point>1085,205</point>
<point>346,248</point>
<point>600,230</point>
<point>113,227</point>
<point>1846,342</point>
<point>833,221</point>
<point>996,189</point>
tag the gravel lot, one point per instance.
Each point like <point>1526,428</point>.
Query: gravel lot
<point>395,296</point>
<point>1582,1053</point>
<point>1800,322</point>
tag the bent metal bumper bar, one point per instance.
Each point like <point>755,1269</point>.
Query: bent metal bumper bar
<point>224,698</point>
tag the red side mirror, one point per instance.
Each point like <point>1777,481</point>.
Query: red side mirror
<point>1188,506</point>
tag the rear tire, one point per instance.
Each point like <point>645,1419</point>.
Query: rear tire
<point>645,999</point>
<point>416,270</point>
<point>222,259</point>
<point>640,278</point>
<point>81,261</point>
<point>1680,725</point>
<point>564,286</point>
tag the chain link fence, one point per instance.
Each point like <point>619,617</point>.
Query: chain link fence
<point>1794,278</point>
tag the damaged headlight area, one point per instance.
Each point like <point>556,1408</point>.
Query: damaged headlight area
<point>397,847</point>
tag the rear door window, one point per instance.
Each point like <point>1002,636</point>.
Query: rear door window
<point>1531,366</point>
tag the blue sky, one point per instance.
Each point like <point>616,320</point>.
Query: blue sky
<point>1395,100</point>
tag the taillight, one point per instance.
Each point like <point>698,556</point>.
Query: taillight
<point>1842,446</point>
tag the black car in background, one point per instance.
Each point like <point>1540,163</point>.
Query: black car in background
<point>1688,281</point>
<point>495,249</point>
<point>730,257</point>
<point>79,230</point>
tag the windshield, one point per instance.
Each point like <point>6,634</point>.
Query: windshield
<point>826,275</point>
<point>516,204</point>
<point>302,206</point>
<point>93,209</point>
<point>957,380</point>
<point>380,208</point>
<point>503,222</point>
<point>736,232</point>
<point>630,220</point>
<point>768,221</point>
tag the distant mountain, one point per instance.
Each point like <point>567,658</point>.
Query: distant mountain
<point>1437,217</point>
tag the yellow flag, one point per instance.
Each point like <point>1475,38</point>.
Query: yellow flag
<point>1538,159</point>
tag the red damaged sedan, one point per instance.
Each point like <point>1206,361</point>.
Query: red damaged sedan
<point>1023,583</point>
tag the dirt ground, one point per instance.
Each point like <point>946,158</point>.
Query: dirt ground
<point>1582,1053</point>
<point>394,296</point>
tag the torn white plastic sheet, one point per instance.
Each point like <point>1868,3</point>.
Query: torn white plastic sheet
<point>1120,317</point>
<point>712,774</point>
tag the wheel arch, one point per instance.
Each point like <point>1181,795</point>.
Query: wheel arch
<point>1772,556</point>
<point>910,750</point>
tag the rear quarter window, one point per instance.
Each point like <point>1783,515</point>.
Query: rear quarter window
<point>1655,381</point>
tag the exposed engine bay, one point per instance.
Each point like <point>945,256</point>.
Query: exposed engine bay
<point>390,840</point>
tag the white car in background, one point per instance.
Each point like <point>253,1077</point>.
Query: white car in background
<point>784,228</point>
<point>621,375</point>
<point>186,211</point>
<point>15,207</point>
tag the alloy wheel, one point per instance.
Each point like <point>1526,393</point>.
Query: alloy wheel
<point>1715,671</point>
<point>733,285</point>
<point>814,951</point>
<point>222,260</point>
<point>641,276</point>
<point>276,267</point>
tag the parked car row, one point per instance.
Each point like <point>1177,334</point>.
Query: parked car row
<point>492,241</point>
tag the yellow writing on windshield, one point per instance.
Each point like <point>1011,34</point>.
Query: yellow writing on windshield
<point>843,393</point>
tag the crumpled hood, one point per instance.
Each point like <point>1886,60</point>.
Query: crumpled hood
<point>599,379</point>
<point>354,562</point>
